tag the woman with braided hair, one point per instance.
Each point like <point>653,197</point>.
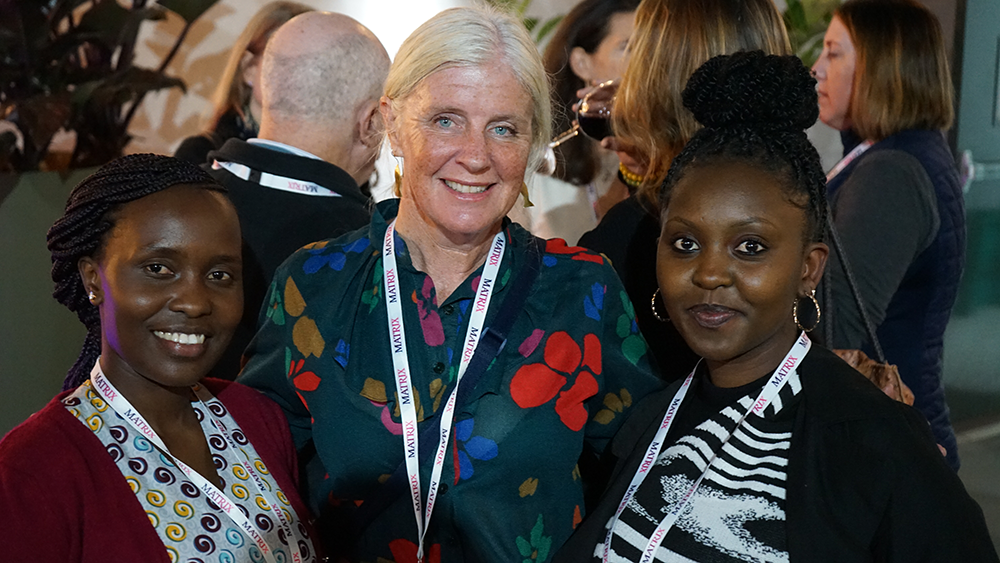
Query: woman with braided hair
<point>772,449</point>
<point>140,459</point>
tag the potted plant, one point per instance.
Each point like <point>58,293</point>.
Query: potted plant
<point>70,65</point>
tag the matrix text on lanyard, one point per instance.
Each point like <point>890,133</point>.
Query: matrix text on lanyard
<point>124,408</point>
<point>787,366</point>
<point>401,367</point>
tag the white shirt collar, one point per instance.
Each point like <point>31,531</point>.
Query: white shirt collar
<point>283,147</point>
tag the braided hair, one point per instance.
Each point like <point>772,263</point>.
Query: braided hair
<point>754,108</point>
<point>89,216</point>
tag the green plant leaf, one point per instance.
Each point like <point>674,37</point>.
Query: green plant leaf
<point>530,23</point>
<point>190,10</point>
<point>547,28</point>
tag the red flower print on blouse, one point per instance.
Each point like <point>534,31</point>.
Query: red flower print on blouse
<point>536,384</point>
<point>405,551</point>
<point>558,246</point>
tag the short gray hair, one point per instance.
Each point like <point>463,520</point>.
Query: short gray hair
<point>460,37</point>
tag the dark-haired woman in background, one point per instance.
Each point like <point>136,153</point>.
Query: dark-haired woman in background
<point>883,81</point>
<point>672,38</point>
<point>772,449</point>
<point>586,49</point>
<point>139,459</point>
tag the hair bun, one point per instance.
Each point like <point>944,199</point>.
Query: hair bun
<point>751,89</point>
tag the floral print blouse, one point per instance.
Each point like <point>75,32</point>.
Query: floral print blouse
<point>573,365</point>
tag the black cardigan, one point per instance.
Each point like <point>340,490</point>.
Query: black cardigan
<point>865,480</point>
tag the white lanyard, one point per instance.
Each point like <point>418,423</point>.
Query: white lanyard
<point>269,180</point>
<point>401,365</point>
<point>124,408</point>
<point>851,156</point>
<point>767,394</point>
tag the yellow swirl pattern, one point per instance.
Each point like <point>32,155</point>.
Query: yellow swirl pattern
<point>133,484</point>
<point>281,497</point>
<point>261,468</point>
<point>175,531</point>
<point>156,498</point>
<point>240,492</point>
<point>262,504</point>
<point>183,509</point>
<point>240,472</point>
<point>172,553</point>
<point>95,422</point>
<point>99,404</point>
<point>153,519</point>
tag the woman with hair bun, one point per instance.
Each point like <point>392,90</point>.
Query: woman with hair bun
<point>897,204</point>
<point>672,38</point>
<point>773,448</point>
<point>141,458</point>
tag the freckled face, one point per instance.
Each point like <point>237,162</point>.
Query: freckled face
<point>169,283</point>
<point>731,261</point>
<point>834,72</point>
<point>465,136</point>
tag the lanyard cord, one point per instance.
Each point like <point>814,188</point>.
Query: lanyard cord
<point>401,366</point>
<point>764,398</point>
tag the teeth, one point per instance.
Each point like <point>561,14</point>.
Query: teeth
<point>462,188</point>
<point>180,337</point>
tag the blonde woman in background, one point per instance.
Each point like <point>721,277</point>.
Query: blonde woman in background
<point>672,38</point>
<point>236,101</point>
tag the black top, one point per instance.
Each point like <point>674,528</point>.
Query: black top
<point>901,218</point>
<point>628,236</point>
<point>866,483</point>
<point>276,223</point>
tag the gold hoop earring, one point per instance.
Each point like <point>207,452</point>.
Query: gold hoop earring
<point>524,194</point>
<point>397,189</point>
<point>664,318</point>
<point>795,311</point>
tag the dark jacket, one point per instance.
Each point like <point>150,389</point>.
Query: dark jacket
<point>865,479</point>
<point>276,223</point>
<point>909,286</point>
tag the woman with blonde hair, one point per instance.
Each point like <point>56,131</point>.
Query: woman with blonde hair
<point>672,38</point>
<point>442,370</point>
<point>883,81</point>
<point>236,102</point>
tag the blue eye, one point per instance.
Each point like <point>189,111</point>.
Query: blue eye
<point>503,130</point>
<point>445,122</point>
<point>751,247</point>
<point>685,245</point>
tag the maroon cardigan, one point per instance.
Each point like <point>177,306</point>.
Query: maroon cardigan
<point>63,500</point>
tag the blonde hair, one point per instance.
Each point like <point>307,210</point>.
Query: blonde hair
<point>232,93</point>
<point>672,38</point>
<point>901,77</point>
<point>474,37</point>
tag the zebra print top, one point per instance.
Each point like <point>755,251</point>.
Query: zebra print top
<point>738,511</point>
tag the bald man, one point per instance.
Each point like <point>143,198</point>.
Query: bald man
<point>320,132</point>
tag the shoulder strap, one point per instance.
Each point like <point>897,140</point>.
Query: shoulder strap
<point>855,292</point>
<point>490,344</point>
